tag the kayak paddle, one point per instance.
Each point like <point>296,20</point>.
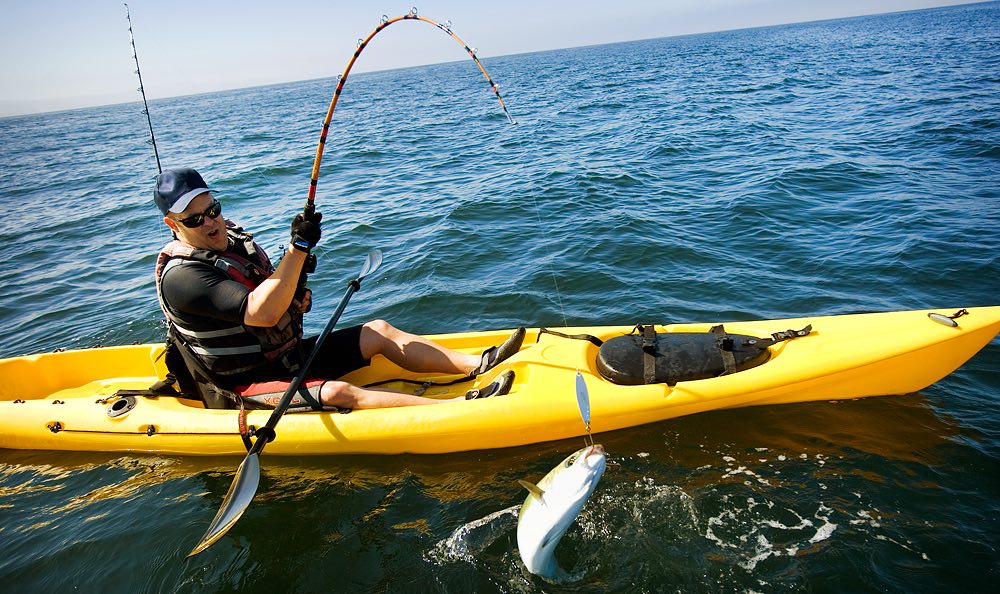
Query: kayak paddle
<point>247,478</point>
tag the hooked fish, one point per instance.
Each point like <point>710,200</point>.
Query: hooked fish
<point>551,507</point>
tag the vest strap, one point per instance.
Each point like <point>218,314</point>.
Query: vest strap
<point>210,333</point>
<point>223,351</point>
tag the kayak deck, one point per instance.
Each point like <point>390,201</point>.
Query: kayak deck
<point>61,401</point>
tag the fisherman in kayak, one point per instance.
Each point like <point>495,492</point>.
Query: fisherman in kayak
<point>234,321</point>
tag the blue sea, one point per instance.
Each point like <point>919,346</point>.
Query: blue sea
<point>820,168</point>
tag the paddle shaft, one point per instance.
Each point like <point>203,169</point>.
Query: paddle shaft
<point>286,399</point>
<point>247,478</point>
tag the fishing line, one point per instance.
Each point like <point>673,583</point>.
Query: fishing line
<point>552,270</point>
<point>142,90</point>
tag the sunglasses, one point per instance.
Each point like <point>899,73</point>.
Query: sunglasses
<point>197,220</point>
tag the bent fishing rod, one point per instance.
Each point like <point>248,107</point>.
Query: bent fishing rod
<point>342,79</point>
<point>247,477</point>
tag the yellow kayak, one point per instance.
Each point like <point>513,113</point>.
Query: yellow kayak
<point>70,400</point>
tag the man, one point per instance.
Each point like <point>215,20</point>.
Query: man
<point>237,325</point>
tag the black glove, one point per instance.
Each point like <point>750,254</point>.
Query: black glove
<point>306,231</point>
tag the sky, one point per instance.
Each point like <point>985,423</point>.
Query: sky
<point>65,54</point>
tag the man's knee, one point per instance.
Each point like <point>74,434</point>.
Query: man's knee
<point>380,327</point>
<point>339,394</point>
<point>377,337</point>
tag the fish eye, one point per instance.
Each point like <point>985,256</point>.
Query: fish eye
<point>571,460</point>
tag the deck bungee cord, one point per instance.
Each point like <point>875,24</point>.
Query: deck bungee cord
<point>342,79</point>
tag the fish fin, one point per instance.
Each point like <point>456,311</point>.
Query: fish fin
<point>533,489</point>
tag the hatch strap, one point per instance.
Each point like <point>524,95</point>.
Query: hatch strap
<point>648,353</point>
<point>725,344</point>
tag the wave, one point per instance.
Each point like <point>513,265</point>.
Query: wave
<point>836,177</point>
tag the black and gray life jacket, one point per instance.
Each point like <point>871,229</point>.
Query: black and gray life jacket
<point>227,351</point>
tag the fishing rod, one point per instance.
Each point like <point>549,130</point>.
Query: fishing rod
<point>362,44</point>
<point>247,478</point>
<point>142,90</point>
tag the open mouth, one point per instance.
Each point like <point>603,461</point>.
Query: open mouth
<point>596,449</point>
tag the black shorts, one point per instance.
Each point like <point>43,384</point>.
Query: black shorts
<point>339,355</point>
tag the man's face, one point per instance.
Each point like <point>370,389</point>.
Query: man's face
<point>210,234</point>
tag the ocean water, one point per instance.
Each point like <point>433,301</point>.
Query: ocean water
<point>819,168</point>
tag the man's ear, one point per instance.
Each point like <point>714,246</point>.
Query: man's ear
<point>173,226</point>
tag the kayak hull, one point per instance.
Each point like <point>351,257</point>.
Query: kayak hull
<point>61,401</point>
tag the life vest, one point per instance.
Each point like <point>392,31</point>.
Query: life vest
<point>230,350</point>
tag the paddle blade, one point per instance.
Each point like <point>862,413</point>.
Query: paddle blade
<point>237,500</point>
<point>372,261</point>
<point>583,399</point>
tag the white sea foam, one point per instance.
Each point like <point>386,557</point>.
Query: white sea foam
<point>471,538</point>
<point>754,530</point>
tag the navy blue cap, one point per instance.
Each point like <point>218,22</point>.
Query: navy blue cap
<point>176,188</point>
